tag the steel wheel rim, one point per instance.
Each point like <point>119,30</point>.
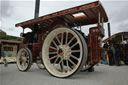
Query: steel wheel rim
<point>23,59</point>
<point>65,56</point>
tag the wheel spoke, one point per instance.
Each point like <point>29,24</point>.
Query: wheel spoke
<point>74,45</point>
<point>61,64</point>
<point>52,47</point>
<point>52,52</point>
<point>75,51</point>
<point>62,38</point>
<point>26,63</point>
<point>67,65</point>
<point>62,68</point>
<point>60,60</point>
<point>71,40</point>
<point>66,38</point>
<point>58,40</point>
<point>53,57</point>
<point>56,60</point>
<point>22,63</point>
<point>72,62</point>
<point>55,44</point>
<point>74,57</point>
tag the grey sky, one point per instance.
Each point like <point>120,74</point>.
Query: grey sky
<point>15,11</point>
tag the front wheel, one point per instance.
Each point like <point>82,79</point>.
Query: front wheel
<point>64,52</point>
<point>24,59</point>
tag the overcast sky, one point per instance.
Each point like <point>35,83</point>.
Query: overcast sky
<point>15,11</point>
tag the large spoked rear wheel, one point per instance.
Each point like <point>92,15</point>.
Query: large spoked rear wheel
<point>24,59</point>
<point>64,52</point>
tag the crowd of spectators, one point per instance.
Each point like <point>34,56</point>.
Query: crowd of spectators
<point>116,52</point>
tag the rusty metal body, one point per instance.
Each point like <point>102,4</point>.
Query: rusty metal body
<point>93,13</point>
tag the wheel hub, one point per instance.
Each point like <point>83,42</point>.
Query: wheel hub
<point>23,58</point>
<point>64,51</point>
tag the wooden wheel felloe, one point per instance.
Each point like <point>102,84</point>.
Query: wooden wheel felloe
<point>64,52</point>
<point>24,59</point>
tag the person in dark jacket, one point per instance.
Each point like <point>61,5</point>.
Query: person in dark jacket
<point>111,54</point>
<point>126,51</point>
<point>117,54</point>
<point>0,51</point>
<point>106,46</point>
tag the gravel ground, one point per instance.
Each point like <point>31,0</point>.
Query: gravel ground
<point>103,75</point>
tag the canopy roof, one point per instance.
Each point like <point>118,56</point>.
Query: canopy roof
<point>77,16</point>
<point>10,41</point>
<point>115,35</point>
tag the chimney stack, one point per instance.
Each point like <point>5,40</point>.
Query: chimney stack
<point>109,30</point>
<point>37,5</point>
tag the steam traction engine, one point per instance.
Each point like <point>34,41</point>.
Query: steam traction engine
<point>58,44</point>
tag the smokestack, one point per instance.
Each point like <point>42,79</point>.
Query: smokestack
<point>109,30</point>
<point>37,5</point>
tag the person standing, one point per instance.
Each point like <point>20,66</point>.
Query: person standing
<point>2,55</point>
<point>111,53</point>
<point>0,50</point>
<point>106,46</point>
<point>117,54</point>
<point>126,50</point>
